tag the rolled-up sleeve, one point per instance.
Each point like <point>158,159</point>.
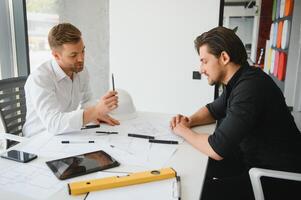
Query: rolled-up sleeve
<point>218,107</point>
<point>241,115</point>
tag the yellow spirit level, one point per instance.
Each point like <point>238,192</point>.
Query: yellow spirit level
<point>83,187</point>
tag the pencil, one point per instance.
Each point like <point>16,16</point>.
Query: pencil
<point>113,84</point>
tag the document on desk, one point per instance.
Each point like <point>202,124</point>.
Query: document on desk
<point>160,154</point>
<point>135,151</point>
<point>127,150</point>
<point>151,125</point>
<point>54,147</point>
<point>166,189</point>
<point>36,182</point>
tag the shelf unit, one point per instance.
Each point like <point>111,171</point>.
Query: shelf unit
<point>277,47</point>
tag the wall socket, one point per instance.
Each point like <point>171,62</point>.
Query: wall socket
<point>196,75</point>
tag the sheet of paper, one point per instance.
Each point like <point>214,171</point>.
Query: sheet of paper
<point>33,181</point>
<point>153,125</point>
<point>165,189</point>
<point>53,147</point>
<point>160,154</point>
<point>139,152</point>
<point>126,150</point>
<point>129,151</point>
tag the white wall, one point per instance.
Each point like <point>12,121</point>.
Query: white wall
<point>152,52</point>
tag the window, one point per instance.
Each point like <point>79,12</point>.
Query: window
<point>7,60</point>
<point>41,17</point>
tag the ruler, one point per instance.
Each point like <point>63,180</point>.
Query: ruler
<point>82,187</point>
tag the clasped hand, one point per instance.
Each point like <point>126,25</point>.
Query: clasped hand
<point>179,124</point>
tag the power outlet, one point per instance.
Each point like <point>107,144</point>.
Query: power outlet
<point>196,75</point>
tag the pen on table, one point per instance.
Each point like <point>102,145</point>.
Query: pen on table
<point>113,84</point>
<point>179,187</point>
<point>91,126</point>
<point>74,142</point>
<point>163,141</point>
<point>107,132</point>
<point>141,136</point>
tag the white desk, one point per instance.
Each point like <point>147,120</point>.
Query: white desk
<point>189,163</point>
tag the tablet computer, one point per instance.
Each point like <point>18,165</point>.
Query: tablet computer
<point>73,166</point>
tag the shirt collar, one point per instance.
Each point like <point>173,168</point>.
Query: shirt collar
<point>235,77</point>
<point>59,73</point>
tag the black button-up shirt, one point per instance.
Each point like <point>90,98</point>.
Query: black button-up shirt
<point>256,121</point>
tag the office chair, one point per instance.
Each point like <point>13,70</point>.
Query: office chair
<point>12,106</point>
<point>257,173</point>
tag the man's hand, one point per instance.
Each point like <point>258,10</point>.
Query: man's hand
<point>179,119</point>
<point>179,124</point>
<point>107,103</point>
<point>99,112</point>
<point>180,129</point>
<point>109,120</point>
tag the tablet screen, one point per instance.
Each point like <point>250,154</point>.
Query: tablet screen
<point>81,164</point>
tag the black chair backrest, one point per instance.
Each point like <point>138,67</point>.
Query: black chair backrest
<point>13,104</point>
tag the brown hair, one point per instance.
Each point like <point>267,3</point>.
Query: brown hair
<point>63,33</point>
<point>221,39</point>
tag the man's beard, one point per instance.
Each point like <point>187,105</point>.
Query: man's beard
<point>211,82</point>
<point>77,68</point>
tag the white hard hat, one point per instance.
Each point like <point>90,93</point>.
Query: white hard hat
<point>126,109</point>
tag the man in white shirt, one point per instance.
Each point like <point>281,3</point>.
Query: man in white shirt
<point>58,94</point>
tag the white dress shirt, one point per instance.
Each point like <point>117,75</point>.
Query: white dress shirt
<point>54,102</point>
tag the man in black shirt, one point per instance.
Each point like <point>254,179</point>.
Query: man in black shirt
<point>256,128</point>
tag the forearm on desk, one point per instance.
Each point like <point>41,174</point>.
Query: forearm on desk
<point>89,115</point>
<point>200,142</point>
<point>201,117</point>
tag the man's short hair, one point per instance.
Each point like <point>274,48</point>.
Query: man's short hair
<point>221,39</point>
<point>63,33</point>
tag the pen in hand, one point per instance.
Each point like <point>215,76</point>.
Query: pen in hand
<point>113,83</point>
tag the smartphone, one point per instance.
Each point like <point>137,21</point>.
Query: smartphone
<point>19,156</point>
